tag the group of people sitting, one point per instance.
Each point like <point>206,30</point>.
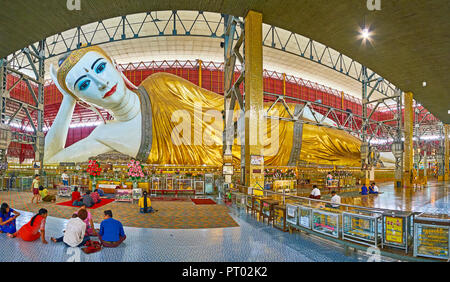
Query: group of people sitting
<point>335,198</point>
<point>373,189</point>
<point>89,199</point>
<point>78,231</point>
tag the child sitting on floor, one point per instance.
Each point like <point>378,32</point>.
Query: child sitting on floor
<point>46,197</point>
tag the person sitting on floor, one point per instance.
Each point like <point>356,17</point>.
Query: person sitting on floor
<point>111,231</point>
<point>76,196</point>
<point>46,197</point>
<point>34,229</point>
<point>87,200</point>
<point>145,204</point>
<point>364,190</point>
<point>90,230</point>
<point>8,219</point>
<point>373,189</point>
<point>75,235</point>
<point>315,193</point>
<point>95,196</point>
<point>335,201</point>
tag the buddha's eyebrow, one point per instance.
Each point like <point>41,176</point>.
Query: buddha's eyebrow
<point>92,67</point>
<point>78,80</point>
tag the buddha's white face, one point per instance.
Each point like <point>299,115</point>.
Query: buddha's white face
<point>95,80</point>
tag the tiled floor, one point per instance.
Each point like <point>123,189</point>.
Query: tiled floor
<point>171,214</point>
<point>251,241</point>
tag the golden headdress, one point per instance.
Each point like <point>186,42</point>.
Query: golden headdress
<point>71,61</point>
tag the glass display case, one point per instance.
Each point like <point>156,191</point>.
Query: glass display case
<point>137,194</point>
<point>432,236</point>
<point>64,191</point>
<point>123,195</point>
<point>156,184</point>
<point>397,229</point>
<point>362,227</point>
<point>304,217</point>
<point>326,223</point>
<point>199,187</point>
<point>292,214</point>
<point>184,184</point>
<point>169,184</point>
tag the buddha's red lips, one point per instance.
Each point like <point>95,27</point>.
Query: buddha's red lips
<point>110,92</point>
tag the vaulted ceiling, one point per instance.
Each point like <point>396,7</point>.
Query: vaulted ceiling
<point>411,42</point>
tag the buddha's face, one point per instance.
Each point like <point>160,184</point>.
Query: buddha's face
<point>95,80</point>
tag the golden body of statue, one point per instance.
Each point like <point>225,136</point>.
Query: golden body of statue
<point>146,126</point>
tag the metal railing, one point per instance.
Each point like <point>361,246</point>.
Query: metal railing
<point>310,201</point>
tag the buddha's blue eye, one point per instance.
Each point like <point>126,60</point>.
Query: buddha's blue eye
<point>84,84</point>
<point>100,67</point>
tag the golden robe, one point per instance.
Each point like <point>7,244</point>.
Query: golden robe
<point>169,93</point>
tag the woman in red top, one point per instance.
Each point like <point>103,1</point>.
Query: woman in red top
<point>34,229</point>
<point>75,195</point>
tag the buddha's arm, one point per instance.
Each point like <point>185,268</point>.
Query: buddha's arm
<point>55,139</point>
<point>80,151</point>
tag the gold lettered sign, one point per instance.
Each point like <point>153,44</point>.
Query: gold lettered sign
<point>394,230</point>
<point>432,241</point>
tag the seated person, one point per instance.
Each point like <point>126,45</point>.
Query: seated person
<point>364,190</point>
<point>34,229</point>
<point>76,196</point>
<point>335,200</point>
<point>46,197</point>
<point>87,200</point>
<point>111,231</point>
<point>90,230</point>
<point>75,234</point>
<point>95,196</point>
<point>100,192</point>
<point>8,219</point>
<point>145,204</point>
<point>373,189</point>
<point>315,193</point>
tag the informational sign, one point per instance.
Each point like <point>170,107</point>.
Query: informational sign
<point>304,217</point>
<point>394,231</point>
<point>326,223</point>
<point>228,169</point>
<point>431,241</point>
<point>291,212</point>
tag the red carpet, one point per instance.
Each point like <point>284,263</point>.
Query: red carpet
<point>102,203</point>
<point>203,201</point>
<point>169,199</point>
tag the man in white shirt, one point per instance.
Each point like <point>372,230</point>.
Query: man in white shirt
<point>65,178</point>
<point>373,188</point>
<point>315,193</point>
<point>75,231</point>
<point>335,200</point>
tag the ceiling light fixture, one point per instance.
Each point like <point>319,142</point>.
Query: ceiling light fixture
<point>424,84</point>
<point>365,33</point>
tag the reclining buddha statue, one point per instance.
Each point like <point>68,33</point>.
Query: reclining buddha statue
<point>143,126</point>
